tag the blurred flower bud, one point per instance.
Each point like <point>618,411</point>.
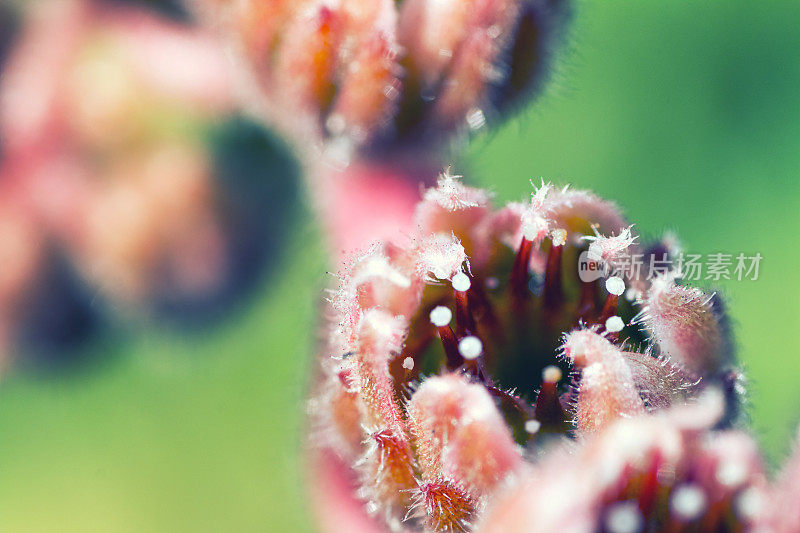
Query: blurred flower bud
<point>659,472</point>
<point>123,152</point>
<point>779,508</point>
<point>405,72</point>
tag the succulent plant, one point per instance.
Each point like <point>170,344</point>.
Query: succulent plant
<point>474,369</point>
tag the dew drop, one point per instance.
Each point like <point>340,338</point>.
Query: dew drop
<point>624,517</point>
<point>441,316</point>
<point>731,473</point>
<point>470,347</point>
<point>532,426</point>
<point>461,282</point>
<point>552,374</point>
<point>688,502</point>
<point>615,285</point>
<point>336,124</point>
<point>614,324</point>
<point>749,504</point>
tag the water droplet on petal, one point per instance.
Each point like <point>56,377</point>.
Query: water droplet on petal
<point>470,347</point>
<point>614,324</point>
<point>441,316</point>
<point>624,517</point>
<point>461,282</point>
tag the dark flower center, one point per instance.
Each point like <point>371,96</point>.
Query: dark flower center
<point>508,328</point>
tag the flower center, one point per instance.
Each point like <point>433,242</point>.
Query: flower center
<point>508,328</point>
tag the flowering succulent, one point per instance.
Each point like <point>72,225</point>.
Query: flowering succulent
<point>454,361</point>
<point>365,71</point>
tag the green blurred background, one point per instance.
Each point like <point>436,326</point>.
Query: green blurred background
<point>686,113</point>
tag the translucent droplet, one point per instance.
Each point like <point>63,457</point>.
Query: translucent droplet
<point>615,285</point>
<point>624,517</point>
<point>461,282</point>
<point>552,374</point>
<point>532,426</point>
<point>441,316</point>
<point>470,347</point>
<point>614,324</point>
<point>688,502</point>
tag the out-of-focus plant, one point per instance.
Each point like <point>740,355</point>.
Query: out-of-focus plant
<point>123,153</point>
<point>371,91</point>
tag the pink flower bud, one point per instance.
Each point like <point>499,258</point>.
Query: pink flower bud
<point>460,434</point>
<point>687,326</point>
<point>117,126</point>
<point>387,466</point>
<point>606,390</point>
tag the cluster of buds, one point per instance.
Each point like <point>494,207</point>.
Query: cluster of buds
<point>472,381</point>
<point>408,71</point>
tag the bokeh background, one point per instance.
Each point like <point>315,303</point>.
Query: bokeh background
<point>686,113</point>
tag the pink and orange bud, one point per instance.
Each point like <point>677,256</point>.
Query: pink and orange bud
<point>606,390</point>
<point>387,466</point>
<point>687,326</point>
<point>405,71</point>
<point>461,435</point>
<point>479,338</point>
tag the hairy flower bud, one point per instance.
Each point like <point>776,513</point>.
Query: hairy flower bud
<point>687,325</point>
<point>460,434</point>
<point>606,389</point>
